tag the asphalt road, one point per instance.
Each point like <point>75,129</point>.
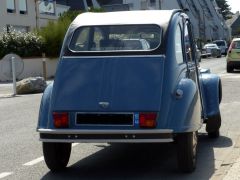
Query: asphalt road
<point>21,153</point>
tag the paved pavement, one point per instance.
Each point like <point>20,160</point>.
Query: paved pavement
<point>228,170</point>
<point>6,90</point>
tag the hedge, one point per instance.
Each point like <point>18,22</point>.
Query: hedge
<point>24,44</point>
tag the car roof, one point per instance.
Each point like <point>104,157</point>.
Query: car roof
<point>236,39</point>
<point>219,41</point>
<point>210,44</point>
<point>159,17</point>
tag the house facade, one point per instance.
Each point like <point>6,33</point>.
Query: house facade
<point>234,24</point>
<point>26,15</point>
<point>208,23</point>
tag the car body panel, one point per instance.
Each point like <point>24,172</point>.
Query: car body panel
<point>128,83</point>
<point>210,86</point>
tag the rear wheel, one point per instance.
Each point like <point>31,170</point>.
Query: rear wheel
<point>229,69</point>
<point>56,155</point>
<point>213,125</point>
<point>187,151</point>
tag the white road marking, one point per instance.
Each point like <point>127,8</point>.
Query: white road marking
<point>74,144</point>
<point>5,174</point>
<point>33,162</point>
<point>228,75</point>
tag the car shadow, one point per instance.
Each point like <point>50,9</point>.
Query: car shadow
<point>142,161</point>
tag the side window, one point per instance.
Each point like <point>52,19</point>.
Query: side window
<point>81,42</point>
<point>178,45</point>
<point>187,42</point>
<point>97,37</point>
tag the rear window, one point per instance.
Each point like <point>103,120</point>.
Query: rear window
<point>220,43</point>
<point>236,45</point>
<point>116,38</point>
<point>210,46</point>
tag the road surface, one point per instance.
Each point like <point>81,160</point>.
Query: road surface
<point>21,153</point>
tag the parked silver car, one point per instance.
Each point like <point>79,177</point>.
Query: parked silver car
<point>222,44</point>
<point>211,49</point>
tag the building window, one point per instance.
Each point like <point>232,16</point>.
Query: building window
<point>47,7</point>
<point>22,29</point>
<point>22,6</point>
<point>11,6</point>
<point>144,5</point>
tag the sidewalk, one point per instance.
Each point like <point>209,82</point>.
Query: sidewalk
<point>234,171</point>
<point>6,89</point>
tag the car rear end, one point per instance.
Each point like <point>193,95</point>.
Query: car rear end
<point>101,95</point>
<point>233,56</point>
<point>222,44</point>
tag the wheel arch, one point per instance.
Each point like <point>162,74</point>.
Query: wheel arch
<point>211,93</point>
<point>44,109</point>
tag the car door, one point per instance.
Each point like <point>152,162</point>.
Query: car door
<point>190,51</point>
<point>190,54</point>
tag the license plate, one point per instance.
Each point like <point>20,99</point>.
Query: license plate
<point>113,119</point>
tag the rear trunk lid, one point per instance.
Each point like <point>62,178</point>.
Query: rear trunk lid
<point>235,54</point>
<point>125,84</point>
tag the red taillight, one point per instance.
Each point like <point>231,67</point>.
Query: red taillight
<point>232,46</point>
<point>60,119</point>
<point>148,120</point>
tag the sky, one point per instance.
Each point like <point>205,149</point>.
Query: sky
<point>234,4</point>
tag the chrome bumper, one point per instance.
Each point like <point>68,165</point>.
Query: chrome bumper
<point>106,136</point>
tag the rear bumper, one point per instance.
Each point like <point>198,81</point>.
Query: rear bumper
<point>106,136</point>
<point>235,64</point>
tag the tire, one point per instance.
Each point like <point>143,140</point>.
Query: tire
<point>187,151</point>
<point>214,134</point>
<point>220,92</point>
<point>213,125</point>
<point>56,155</point>
<point>229,69</point>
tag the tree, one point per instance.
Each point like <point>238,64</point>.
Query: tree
<point>225,9</point>
<point>53,34</point>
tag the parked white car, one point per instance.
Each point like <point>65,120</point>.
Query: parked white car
<point>212,50</point>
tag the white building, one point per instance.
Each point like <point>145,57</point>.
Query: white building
<point>26,15</point>
<point>208,23</point>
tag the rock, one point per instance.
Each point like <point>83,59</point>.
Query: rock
<point>31,85</point>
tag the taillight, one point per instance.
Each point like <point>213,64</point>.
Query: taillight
<point>232,46</point>
<point>148,119</point>
<point>61,119</point>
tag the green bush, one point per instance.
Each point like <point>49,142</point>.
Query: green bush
<point>53,35</point>
<point>24,44</point>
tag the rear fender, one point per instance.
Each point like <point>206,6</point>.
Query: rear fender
<point>211,94</point>
<point>186,110</point>
<point>43,118</point>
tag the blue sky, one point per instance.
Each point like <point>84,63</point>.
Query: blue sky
<point>234,4</point>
